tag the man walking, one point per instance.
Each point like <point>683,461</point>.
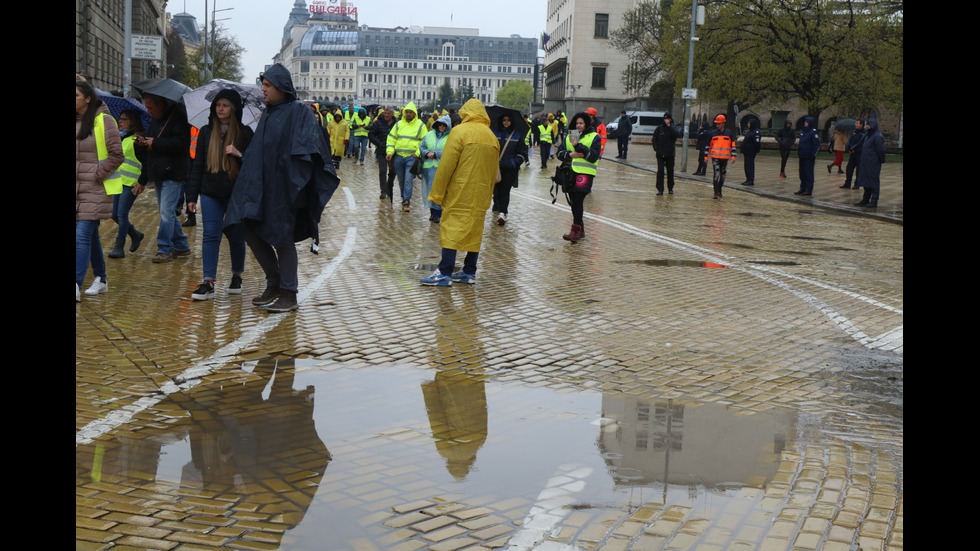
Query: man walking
<point>664,141</point>
<point>624,128</point>
<point>378,135</point>
<point>751,145</point>
<point>807,152</point>
<point>285,182</point>
<point>402,149</point>
<point>721,149</point>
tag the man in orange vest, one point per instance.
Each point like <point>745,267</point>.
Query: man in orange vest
<point>600,128</point>
<point>721,148</point>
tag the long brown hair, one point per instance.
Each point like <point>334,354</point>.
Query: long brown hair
<point>88,119</point>
<point>217,159</point>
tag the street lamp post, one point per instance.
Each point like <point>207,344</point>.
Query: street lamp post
<point>573,88</point>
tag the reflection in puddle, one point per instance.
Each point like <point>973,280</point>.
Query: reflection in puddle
<point>249,463</point>
<point>682,263</point>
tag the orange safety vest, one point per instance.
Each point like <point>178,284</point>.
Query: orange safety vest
<point>194,133</point>
<point>721,147</point>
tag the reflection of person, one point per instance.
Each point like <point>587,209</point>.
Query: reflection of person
<point>431,151</point>
<point>130,127</point>
<point>222,143</point>
<point>583,152</point>
<point>166,147</point>
<point>463,187</point>
<point>284,183</point>
<point>457,410</point>
<point>513,153</point>
<point>98,153</point>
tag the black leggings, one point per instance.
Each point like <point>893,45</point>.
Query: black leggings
<point>576,200</point>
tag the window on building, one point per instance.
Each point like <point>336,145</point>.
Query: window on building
<point>598,77</point>
<point>602,25</point>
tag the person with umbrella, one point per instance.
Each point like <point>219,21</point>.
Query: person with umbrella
<point>222,143</point>
<point>513,153</point>
<point>130,127</point>
<point>166,147</point>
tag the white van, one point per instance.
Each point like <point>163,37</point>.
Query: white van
<point>644,122</point>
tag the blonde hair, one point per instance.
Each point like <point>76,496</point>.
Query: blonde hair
<point>217,159</point>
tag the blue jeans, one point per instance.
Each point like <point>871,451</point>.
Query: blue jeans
<point>448,263</point>
<point>121,205</point>
<point>212,216</point>
<point>403,167</point>
<point>88,249</point>
<point>170,237</point>
<point>359,143</point>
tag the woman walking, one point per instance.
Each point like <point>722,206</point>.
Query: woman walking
<point>130,127</point>
<point>513,153</point>
<point>583,150</point>
<point>430,149</point>
<point>222,143</point>
<point>98,153</point>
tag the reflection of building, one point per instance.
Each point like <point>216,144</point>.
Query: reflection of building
<point>334,58</point>
<point>100,46</point>
<point>706,444</point>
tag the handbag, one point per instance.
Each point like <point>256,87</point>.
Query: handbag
<point>501,156</point>
<point>416,169</point>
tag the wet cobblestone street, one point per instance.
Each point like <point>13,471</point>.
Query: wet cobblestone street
<point>696,374</point>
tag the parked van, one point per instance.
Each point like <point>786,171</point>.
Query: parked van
<point>644,122</point>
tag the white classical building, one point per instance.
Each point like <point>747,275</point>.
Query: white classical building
<point>332,57</point>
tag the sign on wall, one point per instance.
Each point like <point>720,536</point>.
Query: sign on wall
<point>147,46</point>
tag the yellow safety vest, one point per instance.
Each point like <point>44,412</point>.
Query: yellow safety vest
<point>544,133</point>
<point>362,125</point>
<point>113,184</point>
<point>129,171</point>
<point>405,138</point>
<point>581,165</point>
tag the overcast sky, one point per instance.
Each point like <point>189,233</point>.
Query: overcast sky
<point>258,24</point>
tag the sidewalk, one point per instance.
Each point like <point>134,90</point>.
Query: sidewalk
<point>826,191</point>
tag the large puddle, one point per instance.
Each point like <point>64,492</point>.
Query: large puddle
<point>313,457</point>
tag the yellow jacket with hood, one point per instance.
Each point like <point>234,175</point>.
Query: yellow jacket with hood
<point>464,181</point>
<point>405,137</point>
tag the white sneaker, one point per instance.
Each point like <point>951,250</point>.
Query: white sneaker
<point>98,287</point>
<point>78,294</point>
<point>502,219</point>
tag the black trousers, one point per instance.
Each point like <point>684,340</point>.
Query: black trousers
<point>665,165</point>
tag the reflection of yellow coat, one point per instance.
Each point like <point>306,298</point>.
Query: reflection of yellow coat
<point>339,132</point>
<point>464,181</point>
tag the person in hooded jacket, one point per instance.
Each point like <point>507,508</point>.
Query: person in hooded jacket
<point>431,152</point>
<point>513,153</point>
<point>339,138</point>
<point>98,153</point>
<point>786,137</point>
<point>130,127</point>
<point>872,157</point>
<point>855,143</point>
<point>807,152</point>
<point>402,149</point>
<point>285,181</point>
<point>222,144</point>
<point>751,146</point>
<point>463,186</point>
<point>166,148</point>
<point>582,149</point>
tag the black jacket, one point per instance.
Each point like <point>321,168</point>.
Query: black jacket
<point>378,135</point>
<point>786,137</point>
<point>169,159</point>
<point>752,142</point>
<point>665,138</point>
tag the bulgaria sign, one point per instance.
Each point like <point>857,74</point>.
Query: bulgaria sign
<point>332,7</point>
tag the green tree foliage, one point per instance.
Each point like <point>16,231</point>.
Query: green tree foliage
<point>446,95</point>
<point>516,94</point>
<point>822,53</point>
<point>226,54</point>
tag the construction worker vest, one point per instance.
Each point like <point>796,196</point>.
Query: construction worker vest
<point>362,125</point>
<point>405,137</point>
<point>544,133</point>
<point>582,166</point>
<point>113,183</point>
<point>129,171</point>
<point>433,142</point>
<point>721,147</point>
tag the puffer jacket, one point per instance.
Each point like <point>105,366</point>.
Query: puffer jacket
<point>91,201</point>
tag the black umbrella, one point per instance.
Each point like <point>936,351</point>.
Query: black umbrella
<point>168,89</point>
<point>517,121</point>
<point>846,125</point>
<point>144,85</point>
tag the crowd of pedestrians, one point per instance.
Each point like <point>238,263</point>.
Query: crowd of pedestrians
<point>267,188</point>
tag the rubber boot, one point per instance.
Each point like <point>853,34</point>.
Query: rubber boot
<point>117,251</point>
<point>136,237</point>
<point>574,234</point>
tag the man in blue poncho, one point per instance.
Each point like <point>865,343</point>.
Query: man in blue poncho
<point>285,182</point>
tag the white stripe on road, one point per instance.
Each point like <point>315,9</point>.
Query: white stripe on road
<point>892,342</point>
<point>191,376</point>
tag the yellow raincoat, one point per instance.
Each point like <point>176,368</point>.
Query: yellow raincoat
<point>338,135</point>
<point>464,181</point>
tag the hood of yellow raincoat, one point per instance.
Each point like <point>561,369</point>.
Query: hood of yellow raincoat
<point>473,111</point>
<point>411,107</point>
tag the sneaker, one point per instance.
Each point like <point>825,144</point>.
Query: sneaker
<point>267,297</point>
<point>78,294</point>
<point>99,287</point>
<point>285,303</point>
<point>205,291</point>
<point>502,219</point>
<point>236,285</point>
<point>437,280</point>
<point>463,277</point>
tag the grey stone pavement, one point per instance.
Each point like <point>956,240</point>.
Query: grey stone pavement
<point>694,374</point>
